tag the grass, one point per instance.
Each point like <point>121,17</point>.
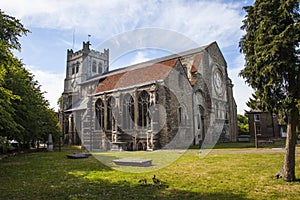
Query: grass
<point>238,145</point>
<point>219,175</point>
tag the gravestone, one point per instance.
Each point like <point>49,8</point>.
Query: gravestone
<point>50,143</point>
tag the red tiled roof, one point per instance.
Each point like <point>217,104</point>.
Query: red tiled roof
<point>196,63</point>
<point>158,71</point>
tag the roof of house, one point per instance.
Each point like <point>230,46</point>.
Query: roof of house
<point>137,76</point>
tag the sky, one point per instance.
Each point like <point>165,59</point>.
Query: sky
<point>58,25</point>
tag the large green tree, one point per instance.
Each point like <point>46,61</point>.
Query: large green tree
<point>10,30</point>
<point>24,113</point>
<point>272,68</point>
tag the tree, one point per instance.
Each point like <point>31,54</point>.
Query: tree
<point>243,124</point>
<point>7,122</point>
<point>31,111</point>
<point>272,66</point>
<point>10,30</point>
<point>24,113</point>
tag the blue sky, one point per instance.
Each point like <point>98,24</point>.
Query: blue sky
<point>58,25</point>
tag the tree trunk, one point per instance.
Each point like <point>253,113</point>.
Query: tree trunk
<point>288,173</point>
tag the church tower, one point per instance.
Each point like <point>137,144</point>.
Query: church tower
<point>82,66</point>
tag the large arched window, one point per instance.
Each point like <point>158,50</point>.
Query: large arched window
<point>110,107</point>
<point>143,105</point>
<point>99,107</point>
<point>128,112</point>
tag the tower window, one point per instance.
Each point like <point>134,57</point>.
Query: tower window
<point>94,67</point>
<point>73,69</point>
<point>100,68</point>
<point>77,67</point>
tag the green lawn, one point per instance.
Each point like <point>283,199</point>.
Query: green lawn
<point>222,174</point>
<point>237,145</point>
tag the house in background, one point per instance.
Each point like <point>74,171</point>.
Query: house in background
<point>265,124</point>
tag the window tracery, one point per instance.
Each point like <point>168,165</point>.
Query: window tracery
<point>143,109</point>
<point>99,107</point>
<point>128,112</point>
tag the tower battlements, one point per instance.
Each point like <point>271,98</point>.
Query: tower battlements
<point>85,51</point>
<point>84,64</point>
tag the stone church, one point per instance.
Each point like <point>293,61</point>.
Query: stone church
<point>171,102</point>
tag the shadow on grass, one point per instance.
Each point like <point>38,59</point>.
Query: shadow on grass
<point>123,189</point>
<point>84,179</point>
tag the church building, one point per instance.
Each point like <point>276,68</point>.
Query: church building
<point>170,102</point>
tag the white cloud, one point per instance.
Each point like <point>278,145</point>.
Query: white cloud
<point>139,57</point>
<point>50,82</point>
<point>201,21</point>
